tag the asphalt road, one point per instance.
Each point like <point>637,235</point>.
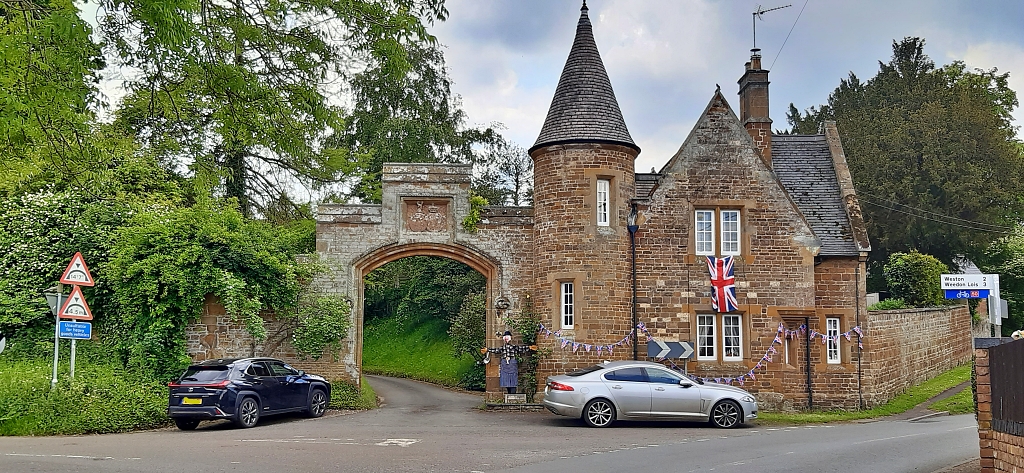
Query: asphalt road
<point>423,428</point>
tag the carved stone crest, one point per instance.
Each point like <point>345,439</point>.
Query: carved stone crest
<point>426,216</point>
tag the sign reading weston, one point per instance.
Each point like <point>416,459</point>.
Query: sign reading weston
<point>967,281</point>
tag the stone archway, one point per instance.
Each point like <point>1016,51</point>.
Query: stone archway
<point>479,262</point>
<point>421,213</point>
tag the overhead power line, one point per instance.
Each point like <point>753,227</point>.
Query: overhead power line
<point>931,212</point>
<point>971,226</point>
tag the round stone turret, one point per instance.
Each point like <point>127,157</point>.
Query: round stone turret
<point>583,188</point>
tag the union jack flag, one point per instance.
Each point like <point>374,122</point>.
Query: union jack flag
<point>723,284</point>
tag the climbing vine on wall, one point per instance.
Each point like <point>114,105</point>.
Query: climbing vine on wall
<point>165,264</point>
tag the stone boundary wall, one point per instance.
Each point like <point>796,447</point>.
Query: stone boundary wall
<point>216,335</point>
<point>905,347</point>
<point>999,451</point>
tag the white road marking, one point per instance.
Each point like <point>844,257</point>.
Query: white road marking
<point>398,442</point>
<point>87,457</point>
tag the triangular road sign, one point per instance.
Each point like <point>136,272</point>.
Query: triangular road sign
<point>77,272</point>
<point>75,307</point>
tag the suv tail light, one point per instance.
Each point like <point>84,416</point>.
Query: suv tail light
<point>556,386</point>
<point>217,385</point>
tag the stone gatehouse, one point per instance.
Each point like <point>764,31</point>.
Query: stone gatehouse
<point>781,208</point>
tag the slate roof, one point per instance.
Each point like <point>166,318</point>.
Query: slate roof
<point>584,109</point>
<point>645,183</point>
<point>804,165</point>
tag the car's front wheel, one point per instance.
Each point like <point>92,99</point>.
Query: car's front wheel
<point>186,424</point>
<point>248,413</point>
<point>726,414</point>
<point>317,403</point>
<point>599,413</point>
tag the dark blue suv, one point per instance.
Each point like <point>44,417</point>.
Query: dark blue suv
<point>243,390</point>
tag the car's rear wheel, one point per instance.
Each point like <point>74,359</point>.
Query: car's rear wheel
<point>726,414</point>
<point>248,413</point>
<point>599,413</point>
<point>317,403</point>
<point>186,424</point>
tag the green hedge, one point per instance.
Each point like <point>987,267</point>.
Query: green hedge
<point>100,399</point>
<point>915,278</point>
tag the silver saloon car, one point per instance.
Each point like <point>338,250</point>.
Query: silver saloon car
<point>642,390</point>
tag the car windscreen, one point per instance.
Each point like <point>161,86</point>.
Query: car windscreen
<point>205,373</point>
<point>583,371</point>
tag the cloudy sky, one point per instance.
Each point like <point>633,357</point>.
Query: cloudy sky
<point>664,57</point>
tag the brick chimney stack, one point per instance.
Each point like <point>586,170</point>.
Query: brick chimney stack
<point>754,105</point>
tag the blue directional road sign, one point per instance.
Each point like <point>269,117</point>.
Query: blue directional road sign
<point>660,350</point>
<point>967,293</point>
<point>75,330</point>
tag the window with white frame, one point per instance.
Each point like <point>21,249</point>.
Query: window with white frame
<point>731,337</point>
<point>705,232</point>
<point>705,337</point>
<point>730,232</point>
<point>602,201</point>
<point>728,238</point>
<point>730,326</point>
<point>832,332</point>
<point>568,305</point>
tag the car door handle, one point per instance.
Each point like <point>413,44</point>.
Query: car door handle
<point>659,389</point>
<point>617,387</point>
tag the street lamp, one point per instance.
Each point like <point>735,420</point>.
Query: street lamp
<point>633,227</point>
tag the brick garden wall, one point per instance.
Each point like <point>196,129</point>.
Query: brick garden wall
<point>906,347</point>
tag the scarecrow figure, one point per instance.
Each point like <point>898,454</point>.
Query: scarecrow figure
<point>508,370</point>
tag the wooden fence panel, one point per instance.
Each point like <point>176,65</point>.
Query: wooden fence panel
<point>1006,369</point>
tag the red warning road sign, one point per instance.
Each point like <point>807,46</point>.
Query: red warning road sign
<point>77,272</point>
<point>75,307</point>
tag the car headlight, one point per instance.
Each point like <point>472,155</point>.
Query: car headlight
<point>748,399</point>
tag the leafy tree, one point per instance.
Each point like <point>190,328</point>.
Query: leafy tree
<point>420,287</point>
<point>932,152</point>
<point>48,218</point>
<point>914,278</point>
<point>241,91</point>
<point>1006,258</point>
<point>48,95</point>
<point>467,332</point>
<point>506,176</point>
<point>406,118</point>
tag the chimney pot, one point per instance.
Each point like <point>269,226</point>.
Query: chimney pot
<point>754,105</point>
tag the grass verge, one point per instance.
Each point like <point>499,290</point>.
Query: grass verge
<point>346,396</point>
<point>102,398</point>
<point>410,349</point>
<point>902,403</point>
<point>959,403</point>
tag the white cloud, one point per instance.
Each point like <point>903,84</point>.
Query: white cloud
<point>1005,57</point>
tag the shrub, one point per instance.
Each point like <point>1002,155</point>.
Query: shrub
<point>101,398</point>
<point>914,277</point>
<point>888,304</point>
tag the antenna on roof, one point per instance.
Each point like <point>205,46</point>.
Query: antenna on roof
<point>757,16</point>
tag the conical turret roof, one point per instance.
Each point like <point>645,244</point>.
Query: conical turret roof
<point>584,109</point>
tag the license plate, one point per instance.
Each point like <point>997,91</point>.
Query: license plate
<point>191,400</point>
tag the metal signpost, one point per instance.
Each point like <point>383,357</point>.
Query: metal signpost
<point>73,307</point>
